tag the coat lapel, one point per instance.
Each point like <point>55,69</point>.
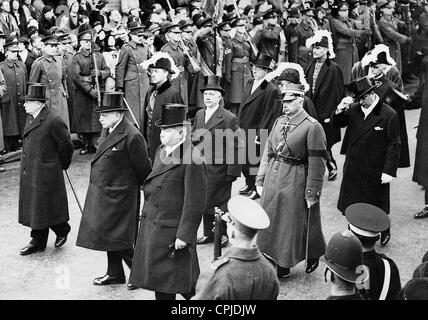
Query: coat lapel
<point>372,119</point>
<point>320,78</point>
<point>215,119</point>
<point>36,122</point>
<point>109,141</point>
<point>257,92</point>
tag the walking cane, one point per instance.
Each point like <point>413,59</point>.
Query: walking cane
<point>132,114</point>
<point>307,235</point>
<point>74,192</point>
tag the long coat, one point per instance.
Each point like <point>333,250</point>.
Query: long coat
<point>119,167</point>
<point>68,60</point>
<point>85,120</point>
<point>372,147</point>
<point>132,78</point>
<point>165,94</point>
<point>287,187</point>
<point>326,94</point>
<point>12,103</point>
<point>3,90</point>
<point>298,52</point>
<point>50,71</point>
<point>175,195</point>
<point>420,173</point>
<point>46,151</point>
<point>222,163</point>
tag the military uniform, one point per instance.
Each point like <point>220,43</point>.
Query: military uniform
<point>242,274</point>
<point>271,41</point>
<point>298,52</point>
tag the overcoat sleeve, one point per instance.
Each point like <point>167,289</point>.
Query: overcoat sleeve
<point>390,33</point>
<point>78,80</point>
<point>62,139</point>
<point>392,157</point>
<point>267,155</point>
<point>272,110</point>
<point>237,146</point>
<point>139,157</point>
<point>36,71</point>
<point>121,67</point>
<point>316,144</point>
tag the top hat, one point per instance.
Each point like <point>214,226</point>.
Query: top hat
<point>263,61</point>
<point>247,214</point>
<point>344,254</point>
<point>173,115</point>
<point>360,87</point>
<point>212,83</point>
<point>366,220</point>
<point>111,101</point>
<point>53,40</point>
<point>36,92</point>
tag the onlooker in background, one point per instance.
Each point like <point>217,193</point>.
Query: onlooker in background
<point>7,21</point>
<point>38,8</point>
<point>28,10</point>
<point>85,7</point>
<point>100,13</point>
<point>47,20</point>
<point>74,15</point>
<point>19,16</point>
<point>34,53</point>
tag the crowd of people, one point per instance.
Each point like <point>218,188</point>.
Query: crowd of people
<point>152,89</point>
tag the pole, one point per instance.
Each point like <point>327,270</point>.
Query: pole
<point>132,114</point>
<point>307,236</point>
<point>97,82</point>
<point>74,192</point>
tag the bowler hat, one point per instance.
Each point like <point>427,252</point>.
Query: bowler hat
<point>111,101</point>
<point>162,63</point>
<point>263,61</point>
<point>36,92</point>
<point>247,214</point>
<point>344,254</point>
<point>360,87</point>
<point>173,115</point>
<point>212,83</point>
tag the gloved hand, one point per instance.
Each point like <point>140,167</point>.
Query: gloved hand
<point>93,93</point>
<point>259,190</point>
<point>386,178</point>
<point>93,73</point>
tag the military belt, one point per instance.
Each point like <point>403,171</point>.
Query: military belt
<point>289,160</point>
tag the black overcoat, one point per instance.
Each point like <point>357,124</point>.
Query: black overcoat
<point>119,167</point>
<point>46,151</point>
<point>372,147</point>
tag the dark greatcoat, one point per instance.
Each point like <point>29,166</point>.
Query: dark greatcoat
<point>372,147</point>
<point>222,164</point>
<point>358,71</point>
<point>420,173</point>
<point>132,78</point>
<point>68,59</point>
<point>119,167</point>
<point>12,103</point>
<point>327,94</point>
<point>175,196</point>
<point>287,187</point>
<point>298,52</point>
<point>46,151</point>
<point>165,94</point>
<point>85,120</point>
<point>388,93</point>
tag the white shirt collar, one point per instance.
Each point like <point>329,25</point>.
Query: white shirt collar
<point>114,127</point>
<point>209,112</point>
<point>38,112</point>
<point>257,84</point>
<point>170,149</point>
<point>368,110</point>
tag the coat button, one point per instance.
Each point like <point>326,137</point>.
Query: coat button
<point>101,170</point>
<point>106,156</point>
<point>99,187</point>
<point>90,180</point>
<point>309,191</point>
<point>25,171</point>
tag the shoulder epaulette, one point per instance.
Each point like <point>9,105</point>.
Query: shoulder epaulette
<point>218,263</point>
<point>311,119</point>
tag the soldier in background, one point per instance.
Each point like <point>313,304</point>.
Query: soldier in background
<point>243,272</point>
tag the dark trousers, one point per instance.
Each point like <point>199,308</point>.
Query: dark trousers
<point>114,262</point>
<point>40,236</point>
<point>426,195</point>
<point>11,143</point>
<point>331,163</point>
<point>90,139</point>
<point>250,180</point>
<point>208,220</point>
<point>171,296</point>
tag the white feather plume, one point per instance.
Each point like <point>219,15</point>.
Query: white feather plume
<point>288,65</point>
<point>371,56</point>
<point>317,37</point>
<point>158,55</point>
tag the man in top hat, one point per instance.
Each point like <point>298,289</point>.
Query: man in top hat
<point>130,77</point>
<point>119,167</point>
<point>372,148</point>
<point>86,94</point>
<point>243,272</point>
<point>159,68</point>
<point>326,89</point>
<point>291,176</point>
<point>48,69</point>
<point>367,222</point>
<point>12,109</point>
<point>271,39</point>
<point>257,112</point>
<point>344,266</point>
<point>211,125</point>
<point>166,259</point>
<point>46,151</point>
<point>298,52</point>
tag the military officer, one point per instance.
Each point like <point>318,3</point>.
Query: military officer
<point>68,52</point>
<point>166,259</point>
<point>130,77</point>
<point>118,169</point>
<point>46,151</point>
<point>344,266</point>
<point>290,181</point>
<point>367,222</point>
<point>243,272</point>
<point>48,69</point>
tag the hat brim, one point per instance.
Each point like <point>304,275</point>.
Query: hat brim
<point>261,66</point>
<point>213,88</point>
<point>100,110</point>
<point>364,93</point>
<point>159,124</point>
<point>347,275</point>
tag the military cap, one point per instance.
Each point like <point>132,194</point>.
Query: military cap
<point>208,20</point>
<point>270,14</point>
<point>85,35</point>
<point>24,39</point>
<point>51,40</point>
<point>172,27</point>
<point>293,91</point>
<point>12,44</point>
<point>247,214</point>
<point>224,26</point>
<point>136,28</point>
<point>366,220</point>
<point>257,21</point>
<point>238,22</point>
<point>152,29</point>
<point>185,23</point>
<point>416,289</point>
<point>97,23</point>
<point>64,39</point>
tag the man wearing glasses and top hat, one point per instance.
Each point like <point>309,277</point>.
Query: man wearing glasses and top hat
<point>372,148</point>
<point>83,73</point>
<point>118,169</point>
<point>166,259</point>
<point>46,151</point>
<point>48,69</point>
<point>130,77</point>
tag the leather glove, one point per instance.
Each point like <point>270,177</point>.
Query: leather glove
<point>93,74</point>
<point>93,93</point>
